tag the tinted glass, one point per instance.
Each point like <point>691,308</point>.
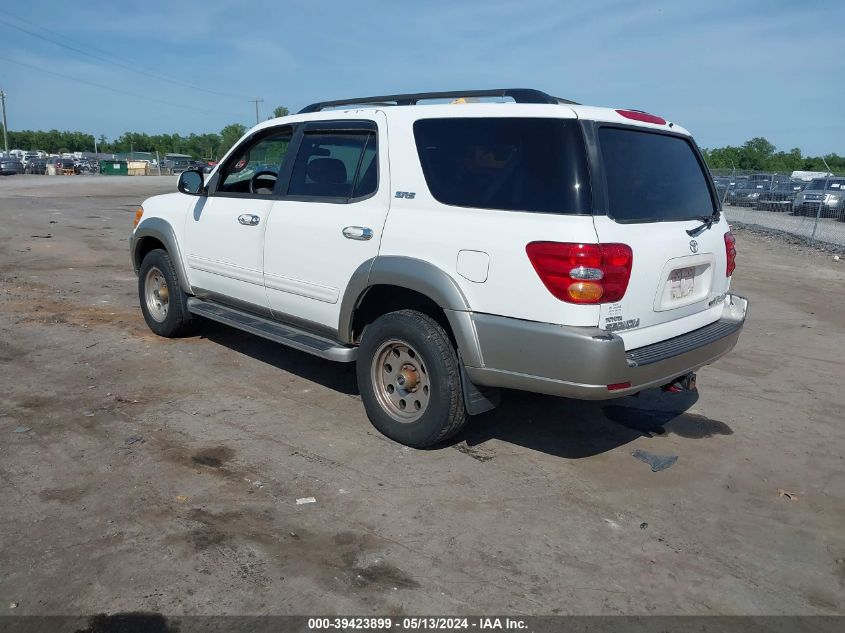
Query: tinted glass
<point>653,177</point>
<point>505,163</point>
<point>264,155</point>
<point>367,181</point>
<point>817,184</point>
<point>334,164</point>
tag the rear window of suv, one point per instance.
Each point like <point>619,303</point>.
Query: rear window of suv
<point>516,164</point>
<point>653,177</point>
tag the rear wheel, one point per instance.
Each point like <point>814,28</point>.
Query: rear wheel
<point>163,303</point>
<point>409,379</point>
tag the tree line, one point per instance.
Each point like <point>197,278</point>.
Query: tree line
<point>209,146</point>
<point>755,154</point>
<point>758,154</point>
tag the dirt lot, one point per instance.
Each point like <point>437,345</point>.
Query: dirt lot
<point>162,475</point>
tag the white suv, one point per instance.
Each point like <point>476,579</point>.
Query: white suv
<point>454,248</point>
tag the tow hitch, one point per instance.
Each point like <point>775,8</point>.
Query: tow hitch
<point>681,383</point>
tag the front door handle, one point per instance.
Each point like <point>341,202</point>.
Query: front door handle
<point>358,233</point>
<point>247,219</point>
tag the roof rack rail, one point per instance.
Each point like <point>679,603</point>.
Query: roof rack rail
<point>519,95</point>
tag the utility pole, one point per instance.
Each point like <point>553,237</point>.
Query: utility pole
<point>256,102</point>
<point>5,125</point>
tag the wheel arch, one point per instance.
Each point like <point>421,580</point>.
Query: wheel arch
<point>387,283</point>
<point>155,233</point>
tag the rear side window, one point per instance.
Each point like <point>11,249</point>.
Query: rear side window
<point>335,165</point>
<point>518,164</point>
<point>652,177</point>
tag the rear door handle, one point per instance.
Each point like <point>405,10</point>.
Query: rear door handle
<point>247,219</point>
<point>358,233</point>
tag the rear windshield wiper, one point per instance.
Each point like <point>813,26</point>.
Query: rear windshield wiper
<point>707,221</point>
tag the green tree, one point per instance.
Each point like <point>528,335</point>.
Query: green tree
<point>230,135</point>
<point>759,154</point>
<point>280,111</point>
<point>756,154</point>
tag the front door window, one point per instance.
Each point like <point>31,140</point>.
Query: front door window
<point>253,170</point>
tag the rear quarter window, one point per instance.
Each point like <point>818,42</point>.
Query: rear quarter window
<point>517,164</point>
<point>653,177</point>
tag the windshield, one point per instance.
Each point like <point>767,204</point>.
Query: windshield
<point>817,184</point>
<point>653,177</point>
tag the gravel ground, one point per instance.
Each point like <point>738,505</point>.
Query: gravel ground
<point>140,473</point>
<point>828,233</point>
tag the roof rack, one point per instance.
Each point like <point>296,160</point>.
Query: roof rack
<point>519,95</point>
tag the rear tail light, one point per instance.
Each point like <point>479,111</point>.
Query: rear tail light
<point>582,273</point>
<point>730,251</point>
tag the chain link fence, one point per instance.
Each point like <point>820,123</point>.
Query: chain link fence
<point>809,205</point>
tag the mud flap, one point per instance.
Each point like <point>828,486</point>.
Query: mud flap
<point>477,400</point>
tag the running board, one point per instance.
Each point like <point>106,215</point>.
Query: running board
<point>272,330</point>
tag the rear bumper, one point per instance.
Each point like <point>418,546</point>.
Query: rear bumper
<point>578,362</point>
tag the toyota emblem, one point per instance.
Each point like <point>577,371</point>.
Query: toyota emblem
<point>693,246</point>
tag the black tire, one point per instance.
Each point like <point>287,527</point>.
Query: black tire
<point>175,320</point>
<point>444,414</point>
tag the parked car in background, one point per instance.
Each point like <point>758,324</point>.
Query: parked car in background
<point>723,183</point>
<point>761,179</point>
<point>10,165</point>
<point>780,196</point>
<point>182,164</point>
<point>746,192</point>
<point>36,166</point>
<point>58,166</point>
<point>739,182</point>
<point>87,166</point>
<point>827,193</point>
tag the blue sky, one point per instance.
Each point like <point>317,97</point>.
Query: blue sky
<point>726,70</point>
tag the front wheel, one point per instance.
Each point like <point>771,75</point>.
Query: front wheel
<point>163,302</point>
<point>409,379</point>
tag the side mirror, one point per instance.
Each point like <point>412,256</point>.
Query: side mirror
<point>191,182</point>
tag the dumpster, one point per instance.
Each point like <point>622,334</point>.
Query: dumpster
<point>114,167</point>
<point>138,168</point>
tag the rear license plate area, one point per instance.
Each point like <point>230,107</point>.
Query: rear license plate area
<point>681,283</point>
<point>684,281</point>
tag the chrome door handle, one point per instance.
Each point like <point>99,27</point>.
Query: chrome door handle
<point>358,233</point>
<point>247,219</point>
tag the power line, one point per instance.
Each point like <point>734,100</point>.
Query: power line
<point>104,87</point>
<point>107,59</point>
<point>57,34</point>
